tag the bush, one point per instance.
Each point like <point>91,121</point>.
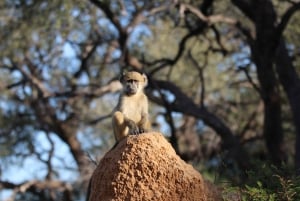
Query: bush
<point>266,184</point>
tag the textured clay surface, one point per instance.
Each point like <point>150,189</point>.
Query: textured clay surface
<point>146,167</point>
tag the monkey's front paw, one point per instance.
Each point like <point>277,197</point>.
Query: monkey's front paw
<point>134,131</point>
<point>143,130</point>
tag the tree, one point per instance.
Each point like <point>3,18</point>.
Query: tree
<point>266,46</point>
<point>215,69</point>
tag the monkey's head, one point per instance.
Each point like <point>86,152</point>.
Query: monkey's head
<point>133,82</point>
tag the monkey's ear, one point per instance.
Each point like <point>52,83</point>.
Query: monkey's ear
<point>121,78</point>
<point>145,79</point>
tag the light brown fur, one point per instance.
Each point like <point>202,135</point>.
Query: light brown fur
<point>131,115</point>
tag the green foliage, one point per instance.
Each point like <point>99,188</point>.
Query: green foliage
<point>266,184</point>
<point>278,188</point>
<point>258,193</point>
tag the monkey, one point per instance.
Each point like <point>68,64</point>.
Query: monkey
<point>131,114</point>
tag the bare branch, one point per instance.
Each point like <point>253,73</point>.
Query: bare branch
<point>169,119</point>
<point>208,19</point>
<point>89,91</point>
<point>44,92</point>
<point>111,87</point>
<point>35,185</point>
<point>95,121</point>
<point>254,85</point>
<point>105,8</point>
<point>185,105</point>
<point>51,153</point>
<point>285,20</point>
<point>212,19</point>
<point>252,117</point>
<point>169,62</point>
<point>88,51</point>
<point>162,63</point>
<point>143,14</point>
<point>201,76</point>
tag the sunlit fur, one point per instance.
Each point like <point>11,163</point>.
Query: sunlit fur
<point>131,115</point>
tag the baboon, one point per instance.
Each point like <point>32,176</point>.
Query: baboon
<point>131,114</point>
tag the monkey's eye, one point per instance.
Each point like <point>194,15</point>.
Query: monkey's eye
<point>132,81</point>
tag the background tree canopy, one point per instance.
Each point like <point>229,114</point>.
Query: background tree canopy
<point>224,86</point>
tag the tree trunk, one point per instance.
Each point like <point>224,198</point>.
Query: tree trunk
<point>263,54</point>
<point>272,107</point>
<point>291,85</point>
<point>263,15</point>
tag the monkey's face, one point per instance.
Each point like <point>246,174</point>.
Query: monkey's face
<point>132,86</point>
<point>133,82</point>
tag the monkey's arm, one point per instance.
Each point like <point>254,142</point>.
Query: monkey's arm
<point>133,127</point>
<point>144,123</point>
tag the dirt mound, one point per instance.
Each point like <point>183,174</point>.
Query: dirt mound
<point>146,167</point>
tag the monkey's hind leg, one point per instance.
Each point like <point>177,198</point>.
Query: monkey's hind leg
<point>119,125</point>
